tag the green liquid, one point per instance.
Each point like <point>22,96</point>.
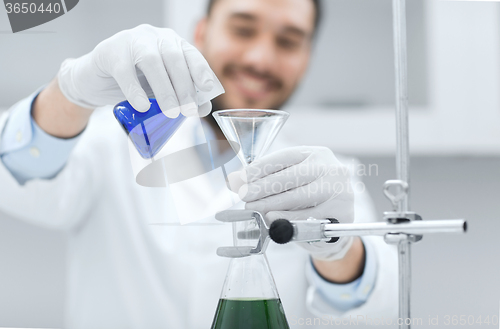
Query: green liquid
<point>250,314</point>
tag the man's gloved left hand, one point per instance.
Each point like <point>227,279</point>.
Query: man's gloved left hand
<point>297,183</point>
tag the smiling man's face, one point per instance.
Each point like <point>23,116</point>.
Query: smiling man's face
<point>259,49</point>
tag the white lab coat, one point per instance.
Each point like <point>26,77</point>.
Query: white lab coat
<point>125,273</point>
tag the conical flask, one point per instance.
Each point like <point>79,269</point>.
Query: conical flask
<point>148,131</point>
<point>249,298</point>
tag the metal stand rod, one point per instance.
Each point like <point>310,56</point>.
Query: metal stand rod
<point>404,255</point>
<point>400,66</point>
<point>402,154</point>
<point>381,228</point>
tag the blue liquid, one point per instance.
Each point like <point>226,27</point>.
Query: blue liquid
<point>150,130</point>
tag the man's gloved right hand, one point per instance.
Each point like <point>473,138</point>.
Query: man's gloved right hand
<point>296,183</point>
<point>171,66</point>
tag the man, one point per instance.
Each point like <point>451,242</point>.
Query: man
<point>122,273</point>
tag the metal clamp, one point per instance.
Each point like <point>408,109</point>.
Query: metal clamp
<point>394,229</point>
<point>400,195</point>
<point>395,216</point>
<point>231,216</point>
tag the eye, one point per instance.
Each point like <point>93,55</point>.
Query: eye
<point>287,43</point>
<point>245,32</point>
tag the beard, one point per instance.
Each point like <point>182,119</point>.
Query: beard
<point>273,83</point>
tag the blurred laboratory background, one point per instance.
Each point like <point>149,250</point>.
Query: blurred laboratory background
<point>346,103</point>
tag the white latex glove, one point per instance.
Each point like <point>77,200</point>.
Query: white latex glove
<point>297,183</point>
<point>157,58</point>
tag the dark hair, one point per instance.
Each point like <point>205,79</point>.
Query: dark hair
<point>316,3</point>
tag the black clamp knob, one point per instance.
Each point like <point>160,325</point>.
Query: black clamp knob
<point>281,231</point>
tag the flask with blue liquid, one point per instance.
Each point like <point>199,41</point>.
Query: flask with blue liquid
<point>151,130</point>
<point>148,131</point>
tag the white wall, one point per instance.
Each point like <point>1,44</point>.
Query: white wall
<point>183,15</point>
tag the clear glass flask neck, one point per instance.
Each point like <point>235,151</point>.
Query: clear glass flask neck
<point>250,278</point>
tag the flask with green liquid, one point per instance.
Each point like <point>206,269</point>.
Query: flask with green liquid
<point>249,298</point>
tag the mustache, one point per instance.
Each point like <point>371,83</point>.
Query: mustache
<point>274,81</point>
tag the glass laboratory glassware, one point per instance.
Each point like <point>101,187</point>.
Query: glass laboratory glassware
<point>148,131</point>
<point>253,130</point>
<point>249,298</point>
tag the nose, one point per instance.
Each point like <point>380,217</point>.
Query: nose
<point>261,54</point>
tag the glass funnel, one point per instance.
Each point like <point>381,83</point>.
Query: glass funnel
<point>249,298</point>
<point>253,130</point>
